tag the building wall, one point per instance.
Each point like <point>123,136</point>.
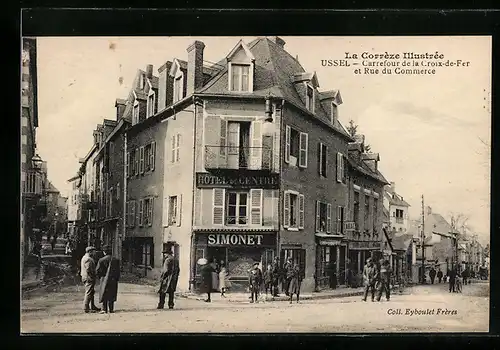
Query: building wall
<point>308,181</point>
<point>178,181</point>
<point>148,184</point>
<point>400,225</point>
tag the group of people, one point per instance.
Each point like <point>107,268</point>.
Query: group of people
<point>215,277</point>
<point>107,270</point>
<point>377,279</point>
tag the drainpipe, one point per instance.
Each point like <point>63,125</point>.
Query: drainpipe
<point>280,204</point>
<point>124,215</point>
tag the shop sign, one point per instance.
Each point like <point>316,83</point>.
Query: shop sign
<point>240,239</point>
<point>237,180</point>
<point>364,245</point>
<point>329,242</point>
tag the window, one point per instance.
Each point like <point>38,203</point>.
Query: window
<point>118,191</point>
<point>237,208</point>
<point>140,214</point>
<point>147,212</point>
<point>334,116</point>
<point>151,105</point>
<point>296,147</point>
<point>323,217</point>
<point>178,88</point>
<point>172,210</point>
<point>340,168</point>
<point>136,161</point>
<point>322,159</point>
<point>135,114</point>
<point>310,98</point>
<point>375,214</point>
<point>141,160</point>
<point>356,209</point>
<point>399,213</point>
<point>293,210</point>
<point>340,220</point>
<point>240,77</point>
<point>367,214</point>
<point>149,156</point>
<point>176,142</point>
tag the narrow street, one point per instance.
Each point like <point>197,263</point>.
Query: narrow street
<point>62,312</point>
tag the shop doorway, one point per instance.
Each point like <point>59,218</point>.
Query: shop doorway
<point>342,267</point>
<point>327,267</point>
<point>218,254</point>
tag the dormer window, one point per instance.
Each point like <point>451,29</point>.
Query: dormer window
<point>240,74</point>
<point>178,88</point>
<point>310,98</point>
<point>151,105</point>
<point>135,113</point>
<point>142,81</point>
<point>334,115</point>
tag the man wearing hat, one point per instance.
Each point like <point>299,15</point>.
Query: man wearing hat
<point>88,274</point>
<point>108,269</point>
<point>370,275</point>
<point>255,282</point>
<point>169,276</point>
<point>288,271</point>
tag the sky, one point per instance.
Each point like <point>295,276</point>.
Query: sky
<point>432,131</point>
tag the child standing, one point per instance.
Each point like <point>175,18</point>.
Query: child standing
<point>268,279</point>
<point>255,282</point>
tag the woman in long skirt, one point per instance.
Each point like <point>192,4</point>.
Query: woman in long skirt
<point>223,279</point>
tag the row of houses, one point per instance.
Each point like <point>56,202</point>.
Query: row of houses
<point>444,244</point>
<point>240,161</point>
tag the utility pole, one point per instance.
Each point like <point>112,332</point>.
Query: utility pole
<point>423,241</point>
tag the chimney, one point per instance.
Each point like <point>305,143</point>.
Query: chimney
<point>429,210</point>
<point>195,67</point>
<point>149,71</point>
<point>165,87</point>
<point>120,108</point>
<point>393,187</point>
<point>278,41</point>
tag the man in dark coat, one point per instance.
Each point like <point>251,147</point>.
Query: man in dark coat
<point>206,280</point>
<point>385,280</point>
<point>452,274</point>
<point>440,275</point>
<point>255,281</point>
<point>294,281</point>
<point>168,279</point>
<point>276,272</point>
<point>465,275</point>
<point>432,274</point>
<point>287,268</point>
<point>108,269</point>
<point>370,278</point>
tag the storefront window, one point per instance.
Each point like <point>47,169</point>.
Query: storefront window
<point>241,260</point>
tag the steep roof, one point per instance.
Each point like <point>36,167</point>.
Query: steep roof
<point>395,199</point>
<point>402,242</point>
<point>51,188</point>
<point>274,71</point>
<point>361,166</point>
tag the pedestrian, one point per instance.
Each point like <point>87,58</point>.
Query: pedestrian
<point>223,279</point>
<point>206,278</point>
<point>268,279</point>
<point>108,270</point>
<point>168,278</point>
<point>88,273</point>
<point>384,280</point>
<point>349,269</point>
<point>286,272</point>
<point>53,242</point>
<point>276,272</point>
<point>68,248</point>
<point>369,278</point>
<point>432,274</point>
<point>295,280</point>
<point>439,275</point>
<point>452,274</point>
<point>215,275</point>
<point>465,275</point>
<point>255,282</point>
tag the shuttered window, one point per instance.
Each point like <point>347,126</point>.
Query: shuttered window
<point>286,210</point>
<point>140,215</point>
<point>287,143</point>
<point>256,145</point>
<point>218,206</point>
<point>301,211</point>
<point>153,156</point>
<point>136,161</point>
<point>132,213</point>
<point>322,159</point>
<point>340,167</point>
<point>256,206</point>
<point>303,143</point>
<point>172,155</point>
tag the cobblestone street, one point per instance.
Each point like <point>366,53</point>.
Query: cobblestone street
<point>62,312</point>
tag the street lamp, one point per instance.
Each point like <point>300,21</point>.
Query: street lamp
<point>36,162</point>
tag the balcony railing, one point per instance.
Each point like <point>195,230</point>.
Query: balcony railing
<point>238,157</point>
<point>33,183</point>
<point>400,220</point>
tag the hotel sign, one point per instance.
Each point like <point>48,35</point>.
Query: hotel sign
<point>365,245</point>
<point>237,180</point>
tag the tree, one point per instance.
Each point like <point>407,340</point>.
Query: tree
<point>353,131</point>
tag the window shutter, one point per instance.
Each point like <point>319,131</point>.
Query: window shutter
<point>339,216</point>
<point>303,141</point>
<point>341,157</point>
<point>218,207</point>
<point>339,167</point>
<point>151,211</point>
<point>132,213</point>
<point>288,136</point>
<point>276,152</point>
<point>179,210</point>
<point>178,148</point>
<point>318,218</point>
<point>328,218</point>
<point>173,149</point>
<point>256,145</point>
<point>342,219</point>
<point>127,214</point>
<point>286,210</point>
<point>320,158</point>
<point>140,212</point>
<point>136,161</point>
<point>127,165</point>
<point>165,211</point>
<point>301,211</point>
<point>141,162</point>
<point>325,171</point>
<point>152,155</point>
<point>223,137</point>
<point>256,206</point>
